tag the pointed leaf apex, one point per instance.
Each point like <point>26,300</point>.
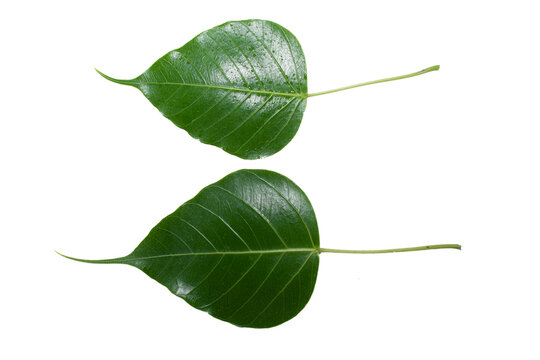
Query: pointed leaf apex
<point>118,81</point>
<point>104,261</point>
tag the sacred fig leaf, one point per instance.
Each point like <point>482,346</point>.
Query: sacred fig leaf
<point>241,86</point>
<point>245,250</point>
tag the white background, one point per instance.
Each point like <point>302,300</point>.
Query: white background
<point>89,167</point>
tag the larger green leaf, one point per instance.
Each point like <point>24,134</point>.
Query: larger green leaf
<point>241,86</point>
<point>245,250</point>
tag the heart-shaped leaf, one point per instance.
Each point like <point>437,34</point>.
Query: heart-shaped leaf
<point>241,86</point>
<point>245,250</point>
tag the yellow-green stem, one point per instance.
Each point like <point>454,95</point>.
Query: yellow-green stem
<point>429,69</point>
<point>416,248</point>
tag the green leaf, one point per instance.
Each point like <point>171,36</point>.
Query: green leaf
<point>245,250</point>
<point>241,86</point>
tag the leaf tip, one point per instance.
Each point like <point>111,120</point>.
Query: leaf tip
<point>118,81</point>
<point>59,253</point>
<point>104,261</point>
<point>67,257</point>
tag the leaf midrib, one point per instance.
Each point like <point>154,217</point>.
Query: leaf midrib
<point>265,92</point>
<point>244,252</point>
<point>279,251</point>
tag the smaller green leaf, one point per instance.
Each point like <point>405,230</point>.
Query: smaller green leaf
<point>241,86</point>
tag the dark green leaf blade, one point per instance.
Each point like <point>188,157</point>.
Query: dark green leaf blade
<point>241,86</point>
<point>245,250</point>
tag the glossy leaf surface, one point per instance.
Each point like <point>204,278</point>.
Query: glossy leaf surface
<point>241,86</point>
<point>245,250</point>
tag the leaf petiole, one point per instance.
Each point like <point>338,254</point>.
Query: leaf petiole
<point>416,248</point>
<point>429,69</point>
